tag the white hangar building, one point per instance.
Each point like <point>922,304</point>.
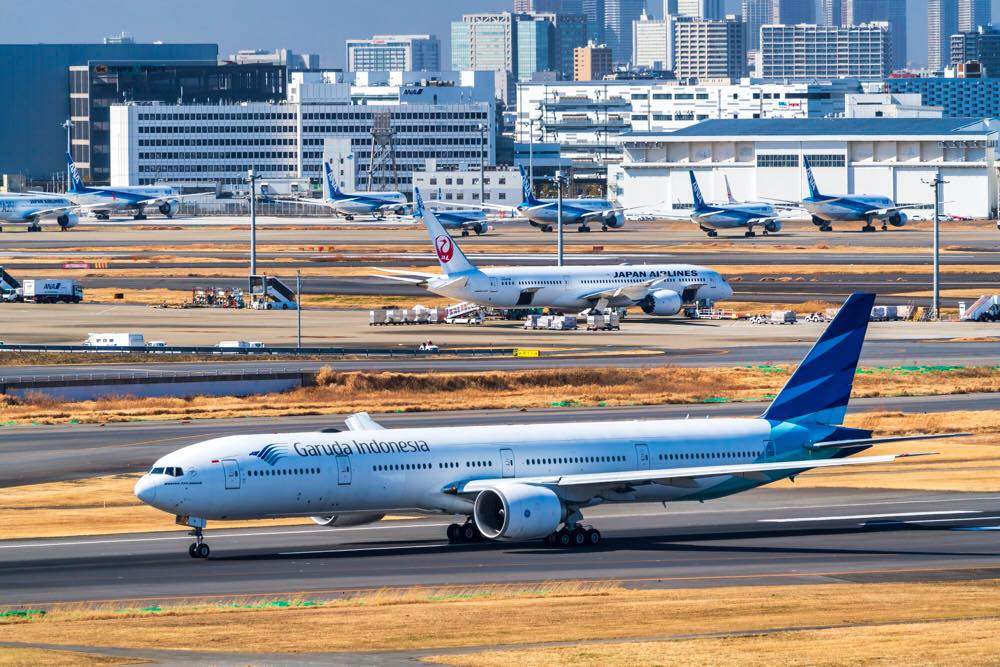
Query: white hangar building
<point>763,159</point>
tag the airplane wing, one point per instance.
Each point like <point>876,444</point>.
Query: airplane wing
<point>478,207</point>
<point>633,291</point>
<point>679,477</point>
<point>362,421</point>
<point>56,211</point>
<point>616,209</point>
<point>317,202</point>
<point>152,201</point>
<point>889,210</point>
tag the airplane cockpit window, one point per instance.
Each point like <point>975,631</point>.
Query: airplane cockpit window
<point>156,471</point>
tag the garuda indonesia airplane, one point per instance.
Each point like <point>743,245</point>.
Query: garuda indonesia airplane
<point>350,204</point>
<point>733,215</point>
<point>521,482</point>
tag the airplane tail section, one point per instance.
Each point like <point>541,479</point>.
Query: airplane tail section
<point>527,196</point>
<point>75,182</point>
<point>699,201</point>
<point>331,183</point>
<point>813,190</point>
<point>729,191</point>
<point>451,257</point>
<point>820,387</point>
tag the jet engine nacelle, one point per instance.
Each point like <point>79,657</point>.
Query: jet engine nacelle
<point>613,219</point>
<point>346,519</point>
<point>67,220</point>
<point>168,208</point>
<point>662,302</point>
<point>481,228</point>
<point>772,226</point>
<point>517,512</point>
<point>898,219</point>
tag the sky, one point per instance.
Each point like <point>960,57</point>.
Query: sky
<point>307,26</point>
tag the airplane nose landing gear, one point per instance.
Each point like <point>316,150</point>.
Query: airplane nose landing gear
<point>198,548</point>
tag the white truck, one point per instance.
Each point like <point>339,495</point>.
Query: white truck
<point>51,290</point>
<point>115,340</point>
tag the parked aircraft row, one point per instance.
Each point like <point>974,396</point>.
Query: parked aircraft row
<point>522,482</point>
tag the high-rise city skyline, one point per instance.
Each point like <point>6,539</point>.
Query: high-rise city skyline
<point>831,12</point>
<point>792,12</point>
<point>527,6</point>
<point>856,12</point>
<point>942,23</point>
<point>755,13</point>
<point>972,14</point>
<point>712,10</point>
<point>618,18</point>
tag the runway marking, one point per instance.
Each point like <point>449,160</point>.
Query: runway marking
<point>866,516</point>
<point>970,518</point>
<point>347,551</point>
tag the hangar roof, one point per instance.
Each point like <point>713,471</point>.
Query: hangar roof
<point>833,127</point>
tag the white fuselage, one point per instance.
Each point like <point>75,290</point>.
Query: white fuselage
<point>569,287</point>
<point>847,208</point>
<point>116,199</point>
<point>733,215</point>
<point>311,474</point>
<point>25,208</point>
<point>366,203</point>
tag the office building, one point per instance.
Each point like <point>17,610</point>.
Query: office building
<point>35,103</point>
<point>569,32</point>
<point>942,23</point>
<point>831,12</point>
<point>888,105</point>
<point>755,13</point>
<point>535,41</point>
<point>530,6</point>
<point>458,180</point>
<point>763,159</point>
<point>972,14</point>
<point>394,53</point>
<point>432,115</point>
<point>294,62</point>
<point>585,118</point>
<point>958,98</point>
<point>712,10</point>
<point>618,18</point>
<point>670,8</point>
<point>809,52</point>
<point>893,12</point>
<point>591,62</point>
<point>486,42</point>
<point>594,11</point>
<point>792,12</point>
<point>652,43</point>
<point>981,46</point>
<point>710,50</point>
<point>94,87</point>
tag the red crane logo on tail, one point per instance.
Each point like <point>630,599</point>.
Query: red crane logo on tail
<point>445,248</point>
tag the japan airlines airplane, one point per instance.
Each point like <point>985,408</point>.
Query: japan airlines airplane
<point>31,210</point>
<point>659,289</point>
<point>105,200</point>
<point>350,204</point>
<point>711,218</point>
<point>524,481</point>
<point>825,209</point>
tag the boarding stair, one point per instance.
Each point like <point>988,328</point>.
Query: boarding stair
<point>985,309</point>
<point>269,293</point>
<point>459,310</point>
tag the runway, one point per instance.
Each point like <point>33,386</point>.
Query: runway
<point>767,536</point>
<point>35,454</point>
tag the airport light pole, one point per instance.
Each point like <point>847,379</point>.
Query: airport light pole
<point>936,290</point>
<point>559,218</point>
<point>482,163</point>
<point>298,309</point>
<point>252,179</point>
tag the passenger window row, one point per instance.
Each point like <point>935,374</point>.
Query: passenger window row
<point>402,466</point>
<point>576,459</point>
<point>689,456</point>
<point>279,472</point>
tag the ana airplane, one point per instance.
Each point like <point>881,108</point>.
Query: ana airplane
<point>660,289</point>
<point>31,210</point>
<point>826,209</point>
<point>711,217</point>
<point>350,204</point>
<point>105,200</point>
<point>523,482</point>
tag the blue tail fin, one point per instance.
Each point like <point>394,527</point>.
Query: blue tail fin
<point>820,387</point>
<point>527,196</point>
<point>418,204</point>
<point>75,182</point>
<point>331,184</point>
<point>699,201</point>
<point>813,190</point>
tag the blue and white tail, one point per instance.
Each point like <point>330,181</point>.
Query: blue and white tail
<point>813,190</point>
<point>527,196</point>
<point>451,257</point>
<point>333,192</point>
<point>699,201</point>
<point>819,389</point>
<point>75,182</point>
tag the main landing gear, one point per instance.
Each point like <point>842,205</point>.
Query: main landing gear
<point>579,536</point>
<point>583,228</point>
<point>198,548</point>
<point>464,533</point>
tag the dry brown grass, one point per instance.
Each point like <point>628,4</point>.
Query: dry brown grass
<point>418,392</point>
<point>425,618</point>
<point>32,657</point>
<point>174,298</point>
<point>952,643</point>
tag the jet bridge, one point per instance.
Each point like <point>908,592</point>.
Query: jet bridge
<point>269,293</point>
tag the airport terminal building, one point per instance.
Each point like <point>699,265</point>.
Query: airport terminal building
<point>431,115</point>
<point>763,159</point>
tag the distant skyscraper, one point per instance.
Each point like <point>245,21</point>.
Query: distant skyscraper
<point>591,62</point>
<point>755,13</point>
<point>857,12</point>
<point>652,43</point>
<point>709,49</point>
<point>792,12</point>
<point>594,11</point>
<point>670,8</point>
<point>525,6</point>
<point>982,46</point>
<point>831,12</point>
<point>535,39</point>
<point>618,18</point>
<point>809,52</point>
<point>972,14</point>
<point>569,31</point>
<point>385,53</point>
<point>712,10</point>
<point>942,23</point>
<point>572,7</point>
